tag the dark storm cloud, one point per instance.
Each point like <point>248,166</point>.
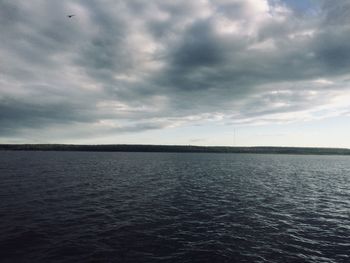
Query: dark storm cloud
<point>128,66</point>
<point>199,47</point>
<point>18,114</point>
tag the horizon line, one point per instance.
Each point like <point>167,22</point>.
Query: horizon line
<point>176,149</point>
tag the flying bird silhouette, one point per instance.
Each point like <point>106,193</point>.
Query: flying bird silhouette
<point>70,16</point>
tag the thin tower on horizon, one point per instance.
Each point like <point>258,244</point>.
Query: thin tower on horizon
<point>234,137</point>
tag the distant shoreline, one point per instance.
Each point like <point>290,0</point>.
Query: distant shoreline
<point>174,148</point>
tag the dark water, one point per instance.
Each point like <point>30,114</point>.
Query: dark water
<point>167,207</point>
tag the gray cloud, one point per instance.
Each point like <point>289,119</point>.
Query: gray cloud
<point>130,66</point>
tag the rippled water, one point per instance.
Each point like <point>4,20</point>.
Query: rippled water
<point>169,207</point>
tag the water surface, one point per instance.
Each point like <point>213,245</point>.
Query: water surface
<point>173,207</point>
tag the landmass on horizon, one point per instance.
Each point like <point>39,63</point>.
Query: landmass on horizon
<point>175,148</point>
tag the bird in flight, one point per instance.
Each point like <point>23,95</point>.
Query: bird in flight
<point>70,16</point>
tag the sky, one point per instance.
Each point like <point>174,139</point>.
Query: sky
<point>204,72</point>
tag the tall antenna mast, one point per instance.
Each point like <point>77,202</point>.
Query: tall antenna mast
<point>234,136</point>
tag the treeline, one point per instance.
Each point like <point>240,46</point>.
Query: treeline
<point>173,148</point>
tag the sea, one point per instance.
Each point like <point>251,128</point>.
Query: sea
<point>173,207</point>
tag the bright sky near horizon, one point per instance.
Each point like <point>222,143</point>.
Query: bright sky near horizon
<point>204,72</point>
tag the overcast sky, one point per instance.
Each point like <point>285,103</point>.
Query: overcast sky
<point>202,72</point>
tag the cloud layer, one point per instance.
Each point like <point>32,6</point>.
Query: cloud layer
<point>130,66</point>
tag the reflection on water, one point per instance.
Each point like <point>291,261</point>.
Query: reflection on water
<point>172,207</point>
